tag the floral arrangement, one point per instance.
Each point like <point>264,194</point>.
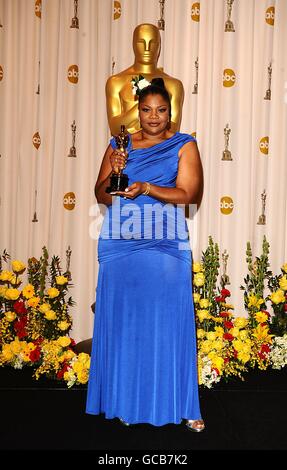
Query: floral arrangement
<point>278,297</point>
<point>138,83</point>
<point>228,345</point>
<point>35,320</point>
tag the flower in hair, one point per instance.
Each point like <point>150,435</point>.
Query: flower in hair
<point>139,83</point>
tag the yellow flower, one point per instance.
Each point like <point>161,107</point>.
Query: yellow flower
<point>3,291</point>
<point>234,331</point>
<point>196,267</point>
<point>10,316</point>
<point>219,331</point>
<point>50,315</point>
<point>240,322</point>
<point>211,335</point>
<point>237,344</point>
<point>218,362</point>
<point>196,298</point>
<point>6,276</point>
<point>284,268</point>
<point>68,355</point>
<point>199,279</point>
<point>12,294</point>
<point>18,266</point>
<point>78,366</point>
<point>200,333</point>
<point>253,301</point>
<point>63,325</point>
<point>243,356</point>
<point>206,346</point>
<point>217,345</point>
<point>228,306</point>
<point>64,341</point>
<point>33,302</point>
<point>53,292</point>
<point>44,308</point>
<point>83,376</point>
<point>61,280</point>
<point>204,303</point>
<point>202,315</point>
<point>262,333</point>
<point>69,375</point>
<point>16,346</point>
<point>283,283</point>
<point>277,297</point>
<point>7,353</point>
<point>261,317</point>
<point>28,291</point>
<point>85,359</point>
<point>243,335</point>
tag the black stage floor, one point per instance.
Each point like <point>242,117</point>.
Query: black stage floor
<point>45,415</point>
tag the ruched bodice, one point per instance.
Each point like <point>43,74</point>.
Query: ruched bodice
<point>145,222</point>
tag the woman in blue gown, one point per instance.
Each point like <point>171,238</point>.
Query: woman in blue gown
<point>143,363</point>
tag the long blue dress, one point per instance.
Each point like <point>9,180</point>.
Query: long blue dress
<point>143,362</point>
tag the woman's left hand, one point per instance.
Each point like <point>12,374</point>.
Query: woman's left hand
<point>131,191</point>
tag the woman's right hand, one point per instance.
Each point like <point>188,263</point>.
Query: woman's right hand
<point>118,160</point>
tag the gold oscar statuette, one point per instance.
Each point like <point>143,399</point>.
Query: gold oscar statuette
<point>120,181</point>
<point>229,27</point>
<point>268,91</point>
<point>75,19</point>
<point>226,154</point>
<point>262,217</point>
<point>195,86</point>
<point>224,278</point>
<point>73,152</point>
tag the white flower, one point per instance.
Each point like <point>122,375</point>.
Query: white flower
<point>278,353</point>
<point>138,84</point>
<point>143,83</point>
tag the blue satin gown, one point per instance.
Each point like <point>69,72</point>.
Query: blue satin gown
<point>143,364</point>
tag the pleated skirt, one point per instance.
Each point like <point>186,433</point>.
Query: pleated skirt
<point>143,364</point>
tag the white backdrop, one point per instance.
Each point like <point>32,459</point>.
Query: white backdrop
<point>52,75</point>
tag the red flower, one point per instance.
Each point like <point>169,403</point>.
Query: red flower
<point>224,314</point>
<point>61,372</point>
<point>35,355</point>
<point>226,359</point>
<point>219,299</point>
<point>73,342</point>
<point>22,333</point>
<point>235,353</point>
<point>38,341</point>
<point>19,307</point>
<point>225,293</point>
<point>285,307</point>
<point>228,336</point>
<point>216,370</point>
<point>265,348</point>
<point>228,324</point>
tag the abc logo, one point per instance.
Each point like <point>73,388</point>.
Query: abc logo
<point>73,73</point>
<point>228,77</point>
<point>195,11</point>
<point>36,140</point>
<point>193,134</point>
<point>1,73</point>
<point>38,7</point>
<point>117,10</point>
<point>270,15</point>
<point>69,201</point>
<point>264,145</point>
<point>226,205</point>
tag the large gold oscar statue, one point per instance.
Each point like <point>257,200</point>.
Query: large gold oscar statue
<point>122,106</point>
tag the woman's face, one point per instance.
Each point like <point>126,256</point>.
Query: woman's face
<point>154,114</point>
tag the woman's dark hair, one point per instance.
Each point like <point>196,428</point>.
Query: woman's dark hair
<point>156,88</point>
